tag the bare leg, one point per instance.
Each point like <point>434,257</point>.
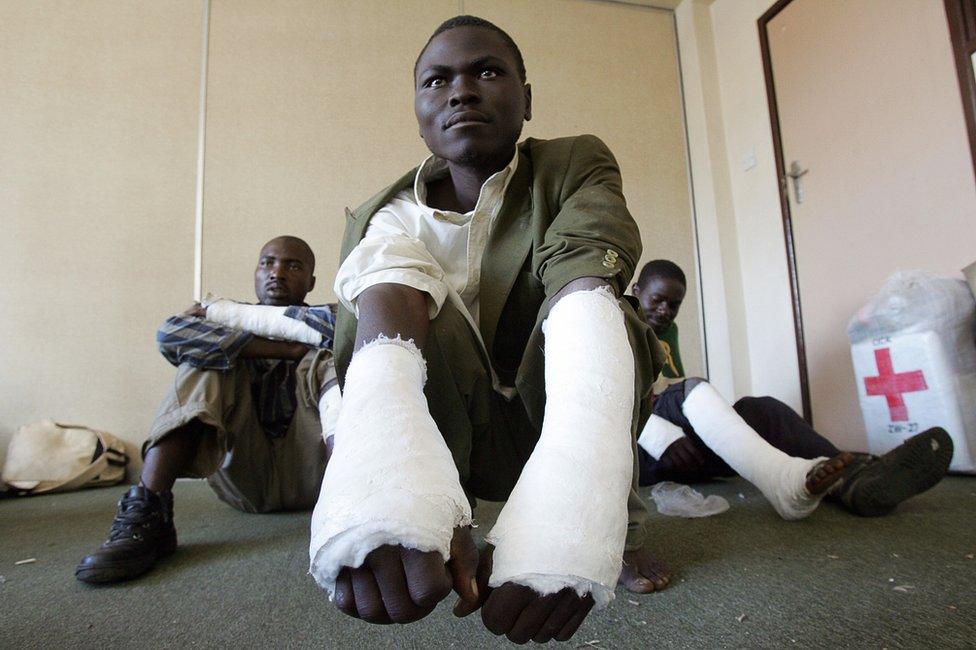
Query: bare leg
<point>165,460</point>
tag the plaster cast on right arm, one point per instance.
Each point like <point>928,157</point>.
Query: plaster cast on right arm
<point>263,320</point>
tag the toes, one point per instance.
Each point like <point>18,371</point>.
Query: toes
<point>826,473</point>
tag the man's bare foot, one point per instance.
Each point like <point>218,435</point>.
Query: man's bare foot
<point>642,573</point>
<point>825,474</point>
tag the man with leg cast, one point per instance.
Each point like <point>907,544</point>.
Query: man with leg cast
<point>694,434</point>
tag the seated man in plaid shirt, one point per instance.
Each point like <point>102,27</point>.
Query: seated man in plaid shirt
<point>244,411</point>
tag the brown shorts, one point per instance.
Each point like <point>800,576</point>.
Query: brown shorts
<point>245,467</point>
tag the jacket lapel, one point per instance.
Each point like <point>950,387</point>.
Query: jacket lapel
<point>508,245</point>
<point>358,220</point>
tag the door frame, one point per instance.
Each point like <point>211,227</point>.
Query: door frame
<point>961,17</point>
<point>962,30</point>
<point>784,202</point>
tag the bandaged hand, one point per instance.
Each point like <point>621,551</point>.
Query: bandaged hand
<point>684,456</point>
<point>565,524</point>
<point>520,613</point>
<point>389,533</point>
<point>401,585</point>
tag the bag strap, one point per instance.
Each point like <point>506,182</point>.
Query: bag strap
<point>78,480</point>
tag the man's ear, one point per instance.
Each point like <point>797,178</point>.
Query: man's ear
<point>311,284</point>
<point>635,289</point>
<point>527,89</point>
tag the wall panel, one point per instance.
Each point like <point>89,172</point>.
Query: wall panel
<point>99,106</point>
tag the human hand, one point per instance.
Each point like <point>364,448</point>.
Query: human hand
<point>684,456</point>
<point>402,585</point>
<point>196,309</point>
<point>521,614</point>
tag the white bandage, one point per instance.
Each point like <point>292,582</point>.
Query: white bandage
<point>329,405</point>
<point>263,320</point>
<point>780,477</point>
<point>657,436</point>
<point>391,478</point>
<point>565,524</point>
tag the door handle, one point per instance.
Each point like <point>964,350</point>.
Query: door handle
<point>796,172</point>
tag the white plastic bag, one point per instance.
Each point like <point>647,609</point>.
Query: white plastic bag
<point>914,361</point>
<point>677,500</point>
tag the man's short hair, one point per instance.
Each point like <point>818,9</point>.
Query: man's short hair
<point>474,21</point>
<point>301,243</point>
<point>661,269</point>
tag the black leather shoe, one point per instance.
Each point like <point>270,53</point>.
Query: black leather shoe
<point>141,533</point>
<point>880,484</point>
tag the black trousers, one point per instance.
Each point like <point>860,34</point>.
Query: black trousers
<point>777,423</point>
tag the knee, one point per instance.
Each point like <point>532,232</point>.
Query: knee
<point>693,382</point>
<point>751,403</point>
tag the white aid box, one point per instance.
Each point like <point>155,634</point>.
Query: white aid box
<point>914,352</point>
<point>906,384</point>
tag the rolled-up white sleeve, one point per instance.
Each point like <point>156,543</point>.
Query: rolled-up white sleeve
<point>387,253</point>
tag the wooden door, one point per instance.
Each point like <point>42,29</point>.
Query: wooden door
<point>869,105</point>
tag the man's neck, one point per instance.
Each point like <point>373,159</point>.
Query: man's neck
<point>459,190</point>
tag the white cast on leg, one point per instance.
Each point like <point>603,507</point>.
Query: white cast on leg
<point>263,320</point>
<point>657,436</point>
<point>780,477</point>
<point>391,478</point>
<point>565,524</point>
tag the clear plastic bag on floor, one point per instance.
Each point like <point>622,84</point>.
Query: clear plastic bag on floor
<point>677,500</point>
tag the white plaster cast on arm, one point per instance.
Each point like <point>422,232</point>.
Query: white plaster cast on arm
<point>657,436</point>
<point>391,478</point>
<point>565,524</point>
<point>263,320</point>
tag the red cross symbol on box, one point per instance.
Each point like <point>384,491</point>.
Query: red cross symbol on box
<point>893,384</point>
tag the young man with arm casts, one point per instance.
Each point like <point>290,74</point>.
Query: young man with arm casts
<point>467,289</point>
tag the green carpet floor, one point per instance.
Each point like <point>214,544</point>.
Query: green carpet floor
<point>744,579</point>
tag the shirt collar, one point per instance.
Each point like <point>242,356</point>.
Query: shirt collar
<point>434,168</point>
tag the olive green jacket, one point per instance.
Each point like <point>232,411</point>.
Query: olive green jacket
<point>563,217</point>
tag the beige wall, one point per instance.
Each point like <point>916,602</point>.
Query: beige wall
<point>292,140</point>
<point>740,224</point>
<point>98,103</point>
<point>309,110</point>
<point>747,228</point>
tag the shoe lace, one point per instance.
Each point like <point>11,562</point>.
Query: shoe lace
<point>135,514</point>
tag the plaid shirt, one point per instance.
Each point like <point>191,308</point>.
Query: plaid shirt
<point>210,346</point>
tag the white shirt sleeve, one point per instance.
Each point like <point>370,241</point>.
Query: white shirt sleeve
<point>388,253</point>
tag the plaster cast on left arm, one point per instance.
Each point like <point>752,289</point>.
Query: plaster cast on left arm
<point>565,524</point>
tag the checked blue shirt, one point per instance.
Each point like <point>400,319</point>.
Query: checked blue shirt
<point>209,346</point>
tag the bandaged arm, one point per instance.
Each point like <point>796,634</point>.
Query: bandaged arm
<point>391,479</point>
<point>565,524</point>
<point>263,320</point>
